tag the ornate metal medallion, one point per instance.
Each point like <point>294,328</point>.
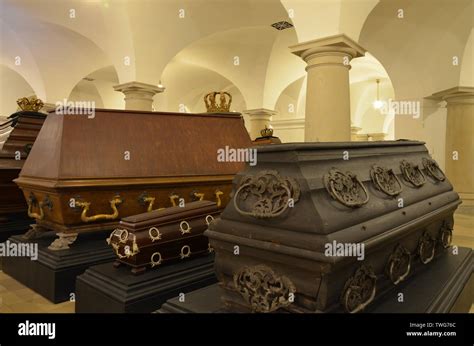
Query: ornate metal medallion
<point>262,289</point>
<point>359,290</point>
<point>385,180</point>
<point>426,248</point>
<point>433,170</point>
<point>399,264</point>
<point>446,234</point>
<point>412,173</point>
<point>265,195</point>
<point>346,188</point>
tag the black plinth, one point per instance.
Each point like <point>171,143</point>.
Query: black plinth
<point>104,288</point>
<point>447,285</point>
<point>53,274</point>
<point>15,224</point>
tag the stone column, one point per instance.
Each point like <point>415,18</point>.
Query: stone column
<point>259,118</point>
<point>328,113</point>
<point>139,96</point>
<point>459,164</point>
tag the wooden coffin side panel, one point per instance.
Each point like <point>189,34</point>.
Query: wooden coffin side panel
<point>64,210</point>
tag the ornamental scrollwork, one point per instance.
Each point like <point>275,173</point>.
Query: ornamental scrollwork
<point>346,188</point>
<point>433,170</point>
<point>265,195</point>
<point>399,264</point>
<point>262,289</point>
<point>385,180</point>
<point>359,290</point>
<point>412,173</point>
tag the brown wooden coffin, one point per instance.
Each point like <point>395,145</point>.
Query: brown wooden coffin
<point>161,236</point>
<point>17,136</point>
<point>319,227</point>
<point>86,173</point>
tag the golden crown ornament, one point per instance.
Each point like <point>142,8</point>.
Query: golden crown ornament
<point>31,104</point>
<point>222,105</point>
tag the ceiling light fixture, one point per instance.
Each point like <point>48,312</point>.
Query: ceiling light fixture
<point>377,104</point>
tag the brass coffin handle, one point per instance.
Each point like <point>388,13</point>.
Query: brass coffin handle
<point>218,195</point>
<point>199,196</point>
<point>173,199</point>
<point>122,235</point>
<point>154,234</point>
<point>184,227</point>
<point>144,199</point>
<point>31,201</point>
<point>156,262</point>
<point>86,206</point>
<point>185,252</point>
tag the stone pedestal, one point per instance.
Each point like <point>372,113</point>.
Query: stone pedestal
<point>259,119</point>
<point>459,139</point>
<point>327,94</point>
<point>139,96</point>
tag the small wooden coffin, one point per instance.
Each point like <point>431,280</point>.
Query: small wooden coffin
<point>86,173</point>
<point>318,227</point>
<point>160,236</point>
<point>17,136</point>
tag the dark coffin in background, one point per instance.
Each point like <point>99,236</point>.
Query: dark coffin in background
<point>302,197</point>
<point>84,174</point>
<point>17,136</point>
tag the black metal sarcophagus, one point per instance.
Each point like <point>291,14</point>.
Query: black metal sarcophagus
<point>319,227</point>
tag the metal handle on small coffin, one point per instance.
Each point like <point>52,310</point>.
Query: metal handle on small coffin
<point>86,206</point>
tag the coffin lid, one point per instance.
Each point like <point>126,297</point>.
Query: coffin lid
<point>316,217</point>
<point>159,144</point>
<point>168,215</point>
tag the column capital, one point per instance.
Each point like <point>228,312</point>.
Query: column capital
<point>139,96</point>
<point>262,113</point>
<point>338,45</point>
<point>456,95</point>
<point>138,86</point>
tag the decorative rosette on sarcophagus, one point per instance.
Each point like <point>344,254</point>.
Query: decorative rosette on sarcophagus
<point>151,239</point>
<point>330,226</point>
<point>88,171</point>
